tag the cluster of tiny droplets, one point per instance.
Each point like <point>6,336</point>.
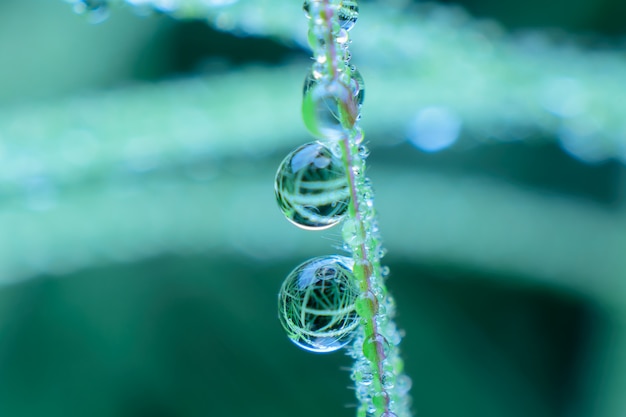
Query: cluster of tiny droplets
<point>332,98</point>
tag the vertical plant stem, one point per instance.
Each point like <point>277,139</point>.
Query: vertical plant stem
<point>371,349</point>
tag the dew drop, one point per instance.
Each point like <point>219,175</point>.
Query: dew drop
<point>384,271</point>
<point>316,38</point>
<point>366,304</point>
<point>380,399</point>
<point>403,384</point>
<point>316,304</point>
<point>348,14</point>
<point>388,380</point>
<point>352,233</point>
<point>312,187</point>
<point>328,108</point>
<point>358,136</point>
<point>306,7</point>
<point>342,37</point>
<point>371,346</point>
<point>357,83</point>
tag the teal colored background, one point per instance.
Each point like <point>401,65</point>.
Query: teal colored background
<point>196,334</point>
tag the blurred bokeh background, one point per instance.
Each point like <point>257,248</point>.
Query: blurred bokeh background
<point>141,250</point>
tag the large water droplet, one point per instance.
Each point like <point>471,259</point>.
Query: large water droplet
<point>316,304</point>
<point>312,187</point>
<point>329,109</point>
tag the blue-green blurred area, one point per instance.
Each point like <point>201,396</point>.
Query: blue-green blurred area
<point>135,288</point>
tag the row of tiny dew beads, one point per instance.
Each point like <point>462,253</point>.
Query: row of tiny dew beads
<point>327,302</point>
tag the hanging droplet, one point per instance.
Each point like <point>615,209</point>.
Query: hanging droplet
<point>317,39</point>
<point>348,14</point>
<point>316,304</point>
<point>380,400</point>
<point>357,83</point>
<point>342,37</point>
<point>388,380</point>
<point>366,304</point>
<point>306,7</point>
<point>375,345</point>
<point>403,384</point>
<point>352,232</point>
<point>312,187</point>
<point>328,108</point>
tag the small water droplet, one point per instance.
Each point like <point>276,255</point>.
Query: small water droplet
<point>316,304</point>
<point>366,304</point>
<point>380,400</point>
<point>317,39</point>
<point>366,377</point>
<point>384,271</point>
<point>352,233</point>
<point>311,187</point>
<point>403,384</point>
<point>348,14</point>
<point>342,37</point>
<point>357,83</point>
<point>375,345</point>
<point>388,380</point>
<point>358,135</point>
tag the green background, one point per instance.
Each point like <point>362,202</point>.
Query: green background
<point>193,332</point>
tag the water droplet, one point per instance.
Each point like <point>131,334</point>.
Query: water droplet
<point>357,83</point>
<point>380,400</point>
<point>317,39</point>
<point>358,135</point>
<point>312,187</point>
<point>366,304</point>
<point>348,14</point>
<point>363,269</point>
<point>342,37</point>
<point>316,304</point>
<point>352,233</point>
<point>389,380</point>
<point>364,151</point>
<point>328,109</point>
<point>365,376</point>
<point>306,7</point>
<point>375,345</point>
<point>403,384</point>
<point>384,271</point>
